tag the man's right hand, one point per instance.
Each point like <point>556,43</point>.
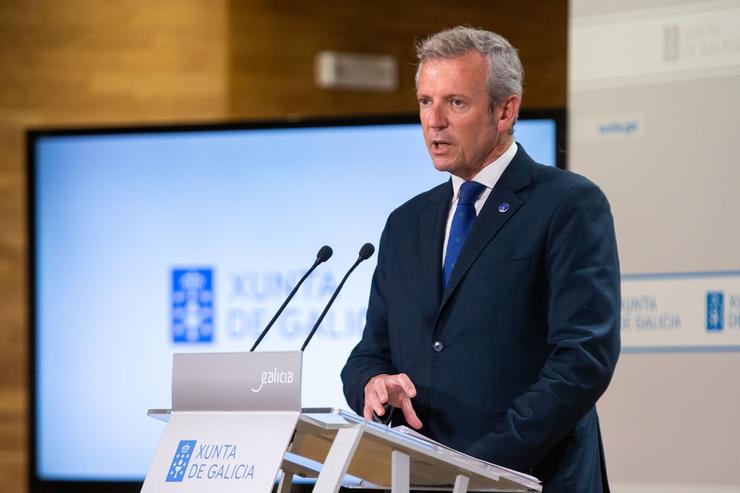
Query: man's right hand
<point>396,390</point>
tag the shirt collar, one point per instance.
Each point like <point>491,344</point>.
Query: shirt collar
<point>489,174</point>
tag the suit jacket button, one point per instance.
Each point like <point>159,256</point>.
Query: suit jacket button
<point>438,346</point>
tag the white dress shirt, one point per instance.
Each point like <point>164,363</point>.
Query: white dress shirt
<point>487,176</point>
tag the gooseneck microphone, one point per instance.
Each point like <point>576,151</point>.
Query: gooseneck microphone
<point>324,254</point>
<point>366,252</point>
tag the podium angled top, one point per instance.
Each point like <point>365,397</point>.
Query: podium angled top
<point>432,465</point>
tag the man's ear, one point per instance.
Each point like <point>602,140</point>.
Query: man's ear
<point>507,112</point>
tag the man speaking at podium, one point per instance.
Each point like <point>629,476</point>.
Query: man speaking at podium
<point>493,321</point>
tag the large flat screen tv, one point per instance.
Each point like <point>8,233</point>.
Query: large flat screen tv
<point>155,240</point>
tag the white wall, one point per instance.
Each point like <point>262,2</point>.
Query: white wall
<point>654,118</point>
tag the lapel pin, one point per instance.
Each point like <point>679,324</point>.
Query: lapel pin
<point>503,207</point>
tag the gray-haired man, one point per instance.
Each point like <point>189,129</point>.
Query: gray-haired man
<point>493,321</point>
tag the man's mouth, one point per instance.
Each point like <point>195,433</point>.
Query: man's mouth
<point>440,145</point>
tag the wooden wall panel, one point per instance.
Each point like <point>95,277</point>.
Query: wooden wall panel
<point>87,62</point>
<point>273,45</point>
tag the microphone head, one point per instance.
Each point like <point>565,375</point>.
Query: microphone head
<point>367,251</point>
<point>325,253</point>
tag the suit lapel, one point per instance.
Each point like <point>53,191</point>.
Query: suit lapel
<point>432,222</point>
<point>501,205</point>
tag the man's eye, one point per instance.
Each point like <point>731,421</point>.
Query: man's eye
<point>423,101</point>
<point>457,102</point>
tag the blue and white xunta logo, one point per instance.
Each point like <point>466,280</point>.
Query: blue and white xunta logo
<point>192,305</point>
<point>180,461</point>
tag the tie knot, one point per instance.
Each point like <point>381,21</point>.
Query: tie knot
<point>470,191</point>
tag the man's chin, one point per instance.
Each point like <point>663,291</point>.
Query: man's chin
<point>444,165</point>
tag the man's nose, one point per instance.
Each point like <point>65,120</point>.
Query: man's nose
<point>437,118</point>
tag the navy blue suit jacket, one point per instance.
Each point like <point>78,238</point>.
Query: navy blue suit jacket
<point>528,324</point>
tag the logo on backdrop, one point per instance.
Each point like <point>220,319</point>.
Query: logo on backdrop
<point>671,43</point>
<point>192,305</point>
<point>180,461</point>
<point>715,310</point>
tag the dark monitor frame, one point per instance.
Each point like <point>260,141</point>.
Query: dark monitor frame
<point>38,485</point>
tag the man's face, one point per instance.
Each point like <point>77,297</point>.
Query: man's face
<point>463,132</point>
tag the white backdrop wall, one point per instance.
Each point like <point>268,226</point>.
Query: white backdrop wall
<point>654,119</point>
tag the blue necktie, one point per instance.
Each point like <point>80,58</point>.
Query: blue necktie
<point>462,221</point>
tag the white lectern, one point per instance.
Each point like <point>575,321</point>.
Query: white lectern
<point>236,424</point>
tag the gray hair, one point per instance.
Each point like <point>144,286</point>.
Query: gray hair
<point>505,72</point>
